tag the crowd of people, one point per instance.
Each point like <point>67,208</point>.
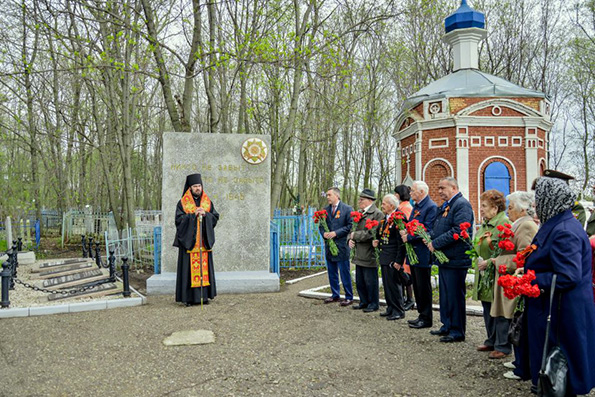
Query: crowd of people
<point>532,235</point>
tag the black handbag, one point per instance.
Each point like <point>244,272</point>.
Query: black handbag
<point>516,328</point>
<point>553,375</point>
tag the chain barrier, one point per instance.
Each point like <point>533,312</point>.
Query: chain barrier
<point>63,292</point>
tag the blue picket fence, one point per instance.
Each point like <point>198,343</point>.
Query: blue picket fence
<point>300,242</point>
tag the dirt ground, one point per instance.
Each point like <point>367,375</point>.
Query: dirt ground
<point>266,344</point>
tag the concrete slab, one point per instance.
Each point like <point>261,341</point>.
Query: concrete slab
<point>125,302</point>
<point>87,306</point>
<point>43,310</point>
<point>313,293</point>
<point>16,312</point>
<point>241,282</point>
<point>194,337</point>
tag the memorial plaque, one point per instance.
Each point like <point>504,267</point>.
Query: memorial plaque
<point>65,270</point>
<point>99,291</point>
<point>64,262</point>
<point>75,279</point>
<point>236,175</point>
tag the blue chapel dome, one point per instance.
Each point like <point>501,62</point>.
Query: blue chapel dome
<point>464,17</point>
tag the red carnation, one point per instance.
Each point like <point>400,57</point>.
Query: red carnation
<point>371,224</point>
<point>502,269</point>
<point>356,216</point>
<point>464,234</point>
<point>455,236</point>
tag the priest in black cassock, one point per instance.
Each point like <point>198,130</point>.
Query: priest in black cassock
<point>195,281</point>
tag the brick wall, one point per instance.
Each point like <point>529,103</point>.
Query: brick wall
<point>505,112</point>
<point>405,143</point>
<point>458,104</point>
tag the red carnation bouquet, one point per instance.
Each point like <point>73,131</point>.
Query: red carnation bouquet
<point>320,216</point>
<point>464,236</point>
<point>514,286</point>
<point>416,228</point>
<point>399,219</point>
<point>486,283</point>
<point>356,216</point>
<point>371,224</point>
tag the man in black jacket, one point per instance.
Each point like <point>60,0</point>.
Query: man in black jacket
<point>454,211</point>
<point>392,256</point>
<point>424,211</point>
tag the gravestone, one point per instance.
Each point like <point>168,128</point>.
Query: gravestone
<point>236,175</point>
<point>73,280</point>
<point>64,270</point>
<point>46,266</point>
<point>98,291</point>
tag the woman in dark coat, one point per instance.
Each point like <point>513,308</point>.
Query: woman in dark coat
<point>562,249</point>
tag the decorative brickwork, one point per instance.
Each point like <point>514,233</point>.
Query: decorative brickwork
<point>497,111</point>
<point>436,170</point>
<point>458,104</point>
<point>507,145</point>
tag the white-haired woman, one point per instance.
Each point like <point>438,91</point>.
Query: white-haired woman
<point>520,213</point>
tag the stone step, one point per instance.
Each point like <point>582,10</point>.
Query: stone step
<point>97,292</point>
<point>65,270</point>
<point>77,279</point>
<point>46,266</point>
<point>24,258</point>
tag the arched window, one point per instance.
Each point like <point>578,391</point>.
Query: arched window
<point>496,176</point>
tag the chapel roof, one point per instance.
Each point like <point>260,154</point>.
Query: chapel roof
<point>469,83</point>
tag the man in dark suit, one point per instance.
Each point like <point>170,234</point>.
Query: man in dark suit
<point>424,211</point>
<point>454,211</point>
<point>392,257</point>
<point>339,224</point>
<point>366,269</point>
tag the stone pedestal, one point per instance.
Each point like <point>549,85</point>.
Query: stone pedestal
<point>236,175</point>
<point>227,283</point>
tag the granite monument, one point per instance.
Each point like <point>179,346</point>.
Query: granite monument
<point>236,174</point>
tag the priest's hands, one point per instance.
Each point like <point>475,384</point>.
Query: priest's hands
<point>200,212</point>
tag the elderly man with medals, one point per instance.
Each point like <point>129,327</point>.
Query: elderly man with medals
<point>196,219</point>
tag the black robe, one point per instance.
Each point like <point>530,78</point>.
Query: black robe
<point>185,240</point>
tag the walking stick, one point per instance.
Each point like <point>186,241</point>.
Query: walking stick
<point>200,257</point>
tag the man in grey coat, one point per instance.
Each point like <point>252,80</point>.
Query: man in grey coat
<point>366,268</point>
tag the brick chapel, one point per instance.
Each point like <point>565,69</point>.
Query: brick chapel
<point>485,131</point>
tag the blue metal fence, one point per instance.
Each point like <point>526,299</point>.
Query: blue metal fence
<point>157,250</point>
<point>274,267</point>
<point>300,242</point>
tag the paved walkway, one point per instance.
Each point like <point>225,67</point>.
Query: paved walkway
<point>266,344</point>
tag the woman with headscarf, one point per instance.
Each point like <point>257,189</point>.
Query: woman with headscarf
<point>562,249</point>
<point>492,206</point>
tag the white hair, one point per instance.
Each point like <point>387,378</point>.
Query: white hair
<point>523,201</point>
<point>421,185</point>
<point>391,199</point>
